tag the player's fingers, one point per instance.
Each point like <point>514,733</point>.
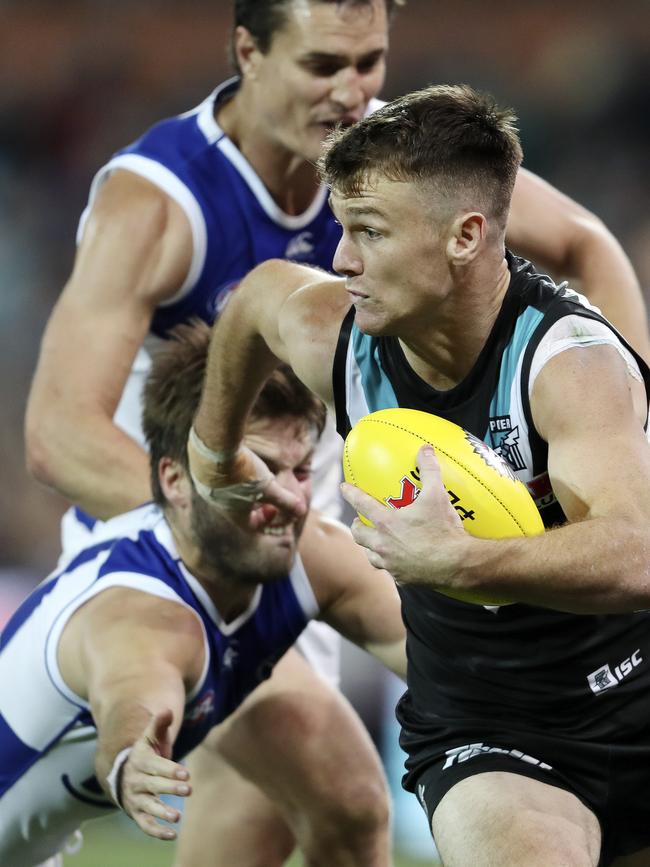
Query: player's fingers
<point>429,467</point>
<point>153,828</point>
<point>362,502</point>
<point>148,784</point>
<point>150,805</point>
<point>152,764</point>
<point>362,534</point>
<point>376,560</point>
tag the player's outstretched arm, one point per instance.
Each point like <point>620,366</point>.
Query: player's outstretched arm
<point>135,252</point>
<point>281,312</point>
<point>559,234</point>
<point>591,412</point>
<point>135,657</point>
<point>359,601</point>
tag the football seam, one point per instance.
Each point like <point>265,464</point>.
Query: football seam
<point>451,457</point>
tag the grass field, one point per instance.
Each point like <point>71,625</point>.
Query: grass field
<point>115,842</point>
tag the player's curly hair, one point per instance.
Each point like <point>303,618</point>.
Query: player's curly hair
<point>263,18</point>
<point>451,135</point>
<point>173,390</point>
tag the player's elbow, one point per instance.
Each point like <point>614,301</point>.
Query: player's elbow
<point>587,238</point>
<point>40,451</point>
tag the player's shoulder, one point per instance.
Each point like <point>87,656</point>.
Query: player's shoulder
<point>324,541</point>
<point>186,144</point>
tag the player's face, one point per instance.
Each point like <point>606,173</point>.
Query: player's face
<point>244,556</point>
<point>393,255</point>
<point>322,68</point>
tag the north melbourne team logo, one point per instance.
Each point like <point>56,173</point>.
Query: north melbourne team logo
<point>506,441</point>
<point>300,247</point>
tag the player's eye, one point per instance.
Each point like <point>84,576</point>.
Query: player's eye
<point>369,63</point>
<point>371,234</point>
<point>323,69</point>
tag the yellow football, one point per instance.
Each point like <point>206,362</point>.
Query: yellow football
<point>380,457</point>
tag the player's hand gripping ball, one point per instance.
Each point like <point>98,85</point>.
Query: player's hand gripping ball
<point>380,455</point>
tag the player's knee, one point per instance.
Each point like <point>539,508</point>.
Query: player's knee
<point>353,810</point>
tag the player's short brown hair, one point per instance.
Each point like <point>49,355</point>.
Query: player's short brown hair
<point>452,135</point>
<point>173,390</point>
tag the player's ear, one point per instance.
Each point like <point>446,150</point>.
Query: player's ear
<point>247,54</point>
<point>174,482</point>
<point>468,231</point>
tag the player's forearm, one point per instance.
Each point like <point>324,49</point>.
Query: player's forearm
<point>239,362</point>
<point>91,462</point>
<point>121,721</point>
<point>591,567</point>
<point>606,277</point>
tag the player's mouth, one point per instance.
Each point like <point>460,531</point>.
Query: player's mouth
<point>356,296</point>
<point>276,530</point>
<point>283,533</point>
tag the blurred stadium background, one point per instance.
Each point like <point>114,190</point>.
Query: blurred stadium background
<point>81,78</point>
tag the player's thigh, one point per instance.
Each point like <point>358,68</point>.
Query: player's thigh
<point>514,821</point>
<point>300,741</point>
<point>49,803</point>
<point>228,820</point>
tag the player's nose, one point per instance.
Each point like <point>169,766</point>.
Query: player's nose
<point>347,91</point>
<point>346,259</point>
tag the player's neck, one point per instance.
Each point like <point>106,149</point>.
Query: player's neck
<point>443,352</point>
<point>229,598</point>
<point>291,180</point>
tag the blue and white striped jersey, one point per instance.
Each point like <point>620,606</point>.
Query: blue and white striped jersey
<point>135,550</point>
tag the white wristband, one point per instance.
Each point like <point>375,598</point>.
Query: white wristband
<point>114,776</point>
<point>216,457</point>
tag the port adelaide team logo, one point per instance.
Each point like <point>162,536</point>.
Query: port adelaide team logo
<point>506,441</point>
<point>491,456</point>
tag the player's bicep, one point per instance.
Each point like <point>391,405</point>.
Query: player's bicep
<point>136,243</point>
<point>591,412</point>
<point>543,222</point>
<point>132,644</point>
<point>359,601</point>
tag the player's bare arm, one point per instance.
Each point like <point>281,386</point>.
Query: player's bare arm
<point>591,412</point>
<point>134,658</point>
<point>356,599</point>
<point>281,312</point>
<point>559,234</point>
<point>135,252</point>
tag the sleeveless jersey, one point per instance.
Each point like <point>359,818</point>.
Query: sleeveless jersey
<point>235,225</point>
<point>136,550</point>
<point>545,667</point>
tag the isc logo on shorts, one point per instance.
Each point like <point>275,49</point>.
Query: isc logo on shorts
<point>470,751</point>
<point>604,678</point>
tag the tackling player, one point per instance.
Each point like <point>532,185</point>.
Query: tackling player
<point>123,659</point>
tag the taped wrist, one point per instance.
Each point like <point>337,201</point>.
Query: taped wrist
<point>209,454</point>
<point>114,776</point>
